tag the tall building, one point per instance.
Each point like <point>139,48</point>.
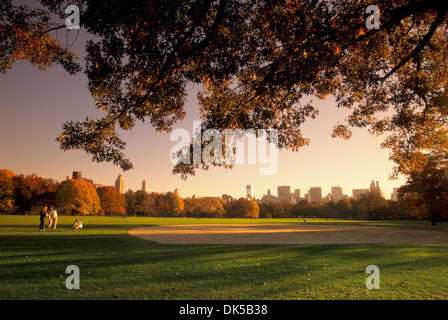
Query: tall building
<point>375,188</point>
<point>249,192</point>
<point>268,197</point>
<point>177,192</point>
<point>144,186</point>
<point>315,194</point>
<point>394,195</point>
<point>336,194</point>
<point>76,175</point>
<point>358,192</point>
<point>284,194</point>
<point>119,184</point>
<point>297,195</point>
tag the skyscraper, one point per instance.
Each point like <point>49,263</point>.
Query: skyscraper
<point>144,185</point>
<point>284,194</point>
<point>297,194</point>
<point>375,188</point>
<point>336,193</point>
<point>249,192</point>
<point>394,195</point>
<point>358,192</point>
<point>268,197</point>
<point>315,194</point>
<point>119,184</point>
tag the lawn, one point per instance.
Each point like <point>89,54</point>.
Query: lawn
<point>115,265</point>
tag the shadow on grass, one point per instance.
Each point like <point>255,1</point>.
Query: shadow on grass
<point>122,263</point>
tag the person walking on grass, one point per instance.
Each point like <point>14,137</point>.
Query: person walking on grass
<point>43,215</point>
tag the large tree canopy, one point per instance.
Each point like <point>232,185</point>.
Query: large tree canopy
<point>260,62</point>
<point>428,189</point>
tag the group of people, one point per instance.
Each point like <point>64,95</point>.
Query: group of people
<point>52,215</point>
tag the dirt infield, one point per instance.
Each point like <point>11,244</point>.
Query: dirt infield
<point>284,234</point>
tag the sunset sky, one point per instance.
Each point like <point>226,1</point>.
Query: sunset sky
<point>34,104</point>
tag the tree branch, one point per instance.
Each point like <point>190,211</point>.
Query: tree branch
<point>51,29</point>
<point>421,45</point>
<point>217,21</point>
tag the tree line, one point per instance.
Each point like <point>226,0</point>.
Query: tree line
<point>19,194</point>
<point>370,206</point>
<point>141,203</point>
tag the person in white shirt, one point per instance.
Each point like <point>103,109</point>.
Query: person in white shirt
<point>53,217</point>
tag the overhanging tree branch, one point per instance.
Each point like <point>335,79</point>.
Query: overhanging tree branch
<point>176,52</point>
<point>421,45</point>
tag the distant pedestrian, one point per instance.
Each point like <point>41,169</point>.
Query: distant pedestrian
<point>43,215</point>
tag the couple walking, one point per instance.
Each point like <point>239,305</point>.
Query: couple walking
<point>52,215</point>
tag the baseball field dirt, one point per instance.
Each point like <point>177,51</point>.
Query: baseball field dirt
<point>285,234</point>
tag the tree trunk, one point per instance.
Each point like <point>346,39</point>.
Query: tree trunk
<point>435,215</point>
<point>435,218</point>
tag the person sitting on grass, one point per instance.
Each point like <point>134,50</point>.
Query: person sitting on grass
<point>77,225</point>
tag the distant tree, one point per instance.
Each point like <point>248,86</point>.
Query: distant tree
<point>161,204</point>
<point>244,208</point>
<point>175,203</point>
<point>393,211</point>
<point>428,189</point>
<point>111,201</point>
<point>146,204</point>
<point>78,195</point>
<point>254,211</point>
<point>283,209</point>
<point>322,210</point>
<point>357,210</point>
<point>343,208</point>
<point>33,189</point>
<point>303,209</point>
<point>7,203</point>
<point>332,206</point>
<point>91,182</point>
<point>265,210</point>
<point>373,204</point>
<point>130,202</point>
<point>410,203</point>
<point>190,208</point>
<point>211,207</point>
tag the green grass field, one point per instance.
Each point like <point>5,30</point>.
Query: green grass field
<point>115,265</point>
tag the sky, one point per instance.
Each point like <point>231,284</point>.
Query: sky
<point>34,104</point>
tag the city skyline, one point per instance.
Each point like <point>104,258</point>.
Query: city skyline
<point>284,193</point>
<point>35,104</point>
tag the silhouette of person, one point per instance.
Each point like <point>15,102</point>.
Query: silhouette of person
<point>43,215</point>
